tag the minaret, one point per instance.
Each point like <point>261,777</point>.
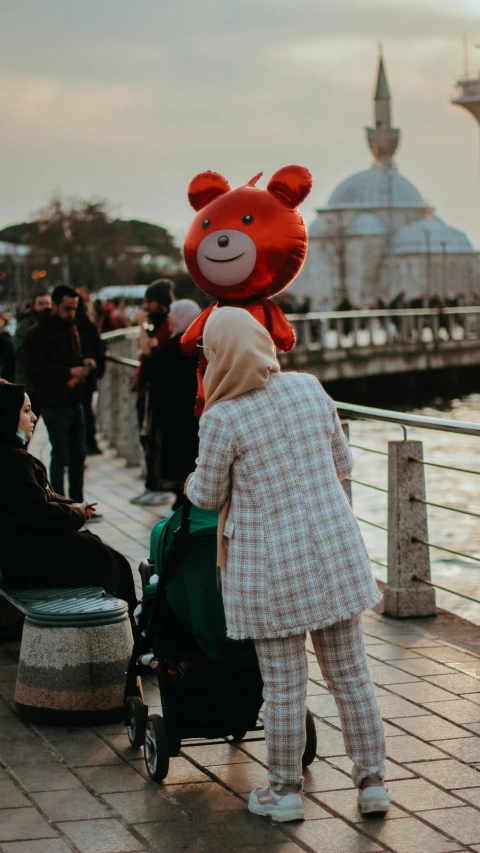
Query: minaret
<point>469,91</point>
<point>383,139</point>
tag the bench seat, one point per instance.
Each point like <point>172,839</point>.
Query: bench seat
<point>76,645</point>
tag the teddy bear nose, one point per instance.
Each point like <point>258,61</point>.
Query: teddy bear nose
<point>223,241</point>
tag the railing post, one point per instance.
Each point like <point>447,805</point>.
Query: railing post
<point>347,483</point>
<point>114,405</point>
<point>307,337</point>
<point>407,522</point>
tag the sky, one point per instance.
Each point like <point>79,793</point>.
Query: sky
<point>128,99</point>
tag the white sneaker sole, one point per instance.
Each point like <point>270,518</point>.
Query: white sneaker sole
<point>375,805</point>
<point>280,815</point>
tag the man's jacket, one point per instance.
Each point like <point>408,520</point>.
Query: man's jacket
<point>23,326</point>
<point>52,347</point>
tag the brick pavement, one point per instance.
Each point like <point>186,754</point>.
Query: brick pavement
<point>86,790</point>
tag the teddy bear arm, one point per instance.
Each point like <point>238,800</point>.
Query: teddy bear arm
<point>281,331</point>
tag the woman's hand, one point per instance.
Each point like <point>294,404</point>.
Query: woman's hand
<point>86,509</point>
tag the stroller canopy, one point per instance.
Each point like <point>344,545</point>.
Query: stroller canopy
<point>192,589</point>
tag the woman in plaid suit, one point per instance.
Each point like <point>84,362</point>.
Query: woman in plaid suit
<point>292,558</point>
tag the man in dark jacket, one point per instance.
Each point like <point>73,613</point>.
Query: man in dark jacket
<point>41,302</point>
<point>7,354</point>
<point>58,369</point>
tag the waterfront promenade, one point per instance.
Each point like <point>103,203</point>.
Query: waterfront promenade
<point>86,790</point>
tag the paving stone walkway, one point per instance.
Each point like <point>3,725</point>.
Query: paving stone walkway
<point>86,790</point>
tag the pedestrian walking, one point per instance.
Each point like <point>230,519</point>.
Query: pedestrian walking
<point>58,369</point>
<point>291,556</point>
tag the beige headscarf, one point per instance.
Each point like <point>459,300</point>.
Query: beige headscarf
<point>241,356</point>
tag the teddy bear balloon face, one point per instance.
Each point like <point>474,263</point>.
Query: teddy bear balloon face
<point>247,243</point>
<point>243,246</point>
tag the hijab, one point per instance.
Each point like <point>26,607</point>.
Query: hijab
<point>241,357</point>
<point>240,354</point>
<point>183,312</point>
<point>12,398</point>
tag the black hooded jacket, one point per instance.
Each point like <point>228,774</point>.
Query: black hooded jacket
<point>28,505</point>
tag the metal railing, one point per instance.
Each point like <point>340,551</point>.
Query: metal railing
<point>405,420</point>
<point>411,327</point>
<point>410,588</point>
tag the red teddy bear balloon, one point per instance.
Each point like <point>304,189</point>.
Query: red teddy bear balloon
<point>245,245</point>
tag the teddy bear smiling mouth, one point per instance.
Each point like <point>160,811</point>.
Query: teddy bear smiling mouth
<point>224,260</point>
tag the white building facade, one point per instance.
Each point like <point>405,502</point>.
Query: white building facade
<point>377,238</point>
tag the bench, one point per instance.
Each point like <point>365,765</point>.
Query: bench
<point>76,645</point>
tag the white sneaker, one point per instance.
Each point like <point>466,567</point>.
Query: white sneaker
<point>282,806</point>
<point>152,498</point>
<point>374,798</point>
<point>138,498</point>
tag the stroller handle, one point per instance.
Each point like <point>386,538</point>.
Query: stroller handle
<point>185,523</point>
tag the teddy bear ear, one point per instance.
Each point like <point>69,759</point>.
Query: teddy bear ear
<point>206,186</point>
<point>291,185</point>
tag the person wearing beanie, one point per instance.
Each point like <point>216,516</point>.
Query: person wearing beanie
<point>154,335</point>
<point>173,391</point>
<point>40,531</point>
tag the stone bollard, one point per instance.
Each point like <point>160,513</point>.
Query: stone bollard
<point>128,441</point>
<point>407,521</point>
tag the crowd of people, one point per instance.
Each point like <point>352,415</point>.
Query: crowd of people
<point>291,558</point>
<point>268,452</point>
<point>58,355</point>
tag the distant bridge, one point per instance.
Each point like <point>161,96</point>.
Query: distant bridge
<point>337,345</point>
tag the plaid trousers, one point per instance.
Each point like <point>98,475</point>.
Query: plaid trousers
<point>341,656</point>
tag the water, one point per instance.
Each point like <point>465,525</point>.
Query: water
<point>450,529</point>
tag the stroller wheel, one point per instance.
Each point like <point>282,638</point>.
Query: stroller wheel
<point>136,721</point>
<point>156,748</point>
<point>238,736</point>
<point>311,744</point>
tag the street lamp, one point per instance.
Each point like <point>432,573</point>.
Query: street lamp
<point>428,265</point>
<point>444,270</point>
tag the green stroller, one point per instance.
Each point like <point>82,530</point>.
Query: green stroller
<point>210,686</point>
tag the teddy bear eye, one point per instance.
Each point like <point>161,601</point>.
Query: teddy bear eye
<point>247,219</point>
<point>205,223</point>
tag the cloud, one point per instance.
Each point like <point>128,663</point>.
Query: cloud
<point>48,113</point>
<point>129,100</point>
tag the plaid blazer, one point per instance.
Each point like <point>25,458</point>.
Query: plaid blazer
<point>296,560</point>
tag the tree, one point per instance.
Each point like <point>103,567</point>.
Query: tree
<point>83,243</point>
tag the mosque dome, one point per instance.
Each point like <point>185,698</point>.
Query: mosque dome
<point>366,225</point>
<point>430,235</point>
<point>373,189</point>
<point>319,227</point>
<point>363,225</point>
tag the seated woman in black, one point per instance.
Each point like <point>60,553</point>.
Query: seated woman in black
<point>41,545</point>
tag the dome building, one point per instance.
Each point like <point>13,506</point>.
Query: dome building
<point>376,237</point>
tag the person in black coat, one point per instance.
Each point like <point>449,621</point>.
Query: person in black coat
<point>92,344</point>
<point>7,352</point>
<point>173,388</point>
<point>42,545</point>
